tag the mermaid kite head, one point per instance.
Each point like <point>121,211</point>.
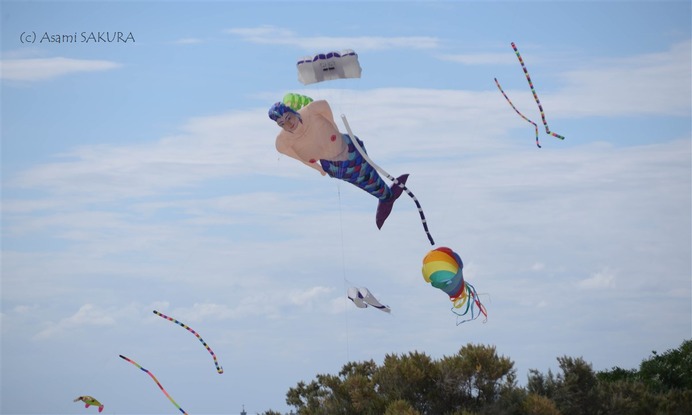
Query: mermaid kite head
<point>278,112</point>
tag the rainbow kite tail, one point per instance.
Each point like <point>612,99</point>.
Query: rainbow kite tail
<point>157,383</point>
<point>219,369</point>
<point>518,112</point>
<point>535,95</point>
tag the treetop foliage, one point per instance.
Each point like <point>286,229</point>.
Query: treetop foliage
<point>478,381</point>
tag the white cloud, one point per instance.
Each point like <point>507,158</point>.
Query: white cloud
<point>23,309</point>
<point>253,303</point>
<point>303,297</point>
<point>201,311</point>
<point>41,69</point>
<point>598,281</point>
<point>537,266</point>
<point>209,147</point>
<point>241,143</point>
<point>278,36</point>
<point>655,83</point>
<point>88,315</point>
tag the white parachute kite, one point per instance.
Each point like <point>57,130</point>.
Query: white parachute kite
<point>362,298</point>
<point>328,66</point>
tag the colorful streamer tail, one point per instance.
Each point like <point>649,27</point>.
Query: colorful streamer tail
<point>469,301</point>
<point>535,97</point>
<point>390,177</point>
<point>157,382</point>
<point>216,363</point>
<point>443,269</point>
<point>517,111</point>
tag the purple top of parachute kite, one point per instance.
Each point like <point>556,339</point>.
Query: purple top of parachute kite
<point>328,55</point>
<point>328,66</point>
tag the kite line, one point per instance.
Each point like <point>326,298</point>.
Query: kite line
<point>216,363</point>
<point>157,382</point>
<point>390,177</point>
<point>535,97</point>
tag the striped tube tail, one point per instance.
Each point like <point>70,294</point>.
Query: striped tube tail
<point>535,95</point>
<point>157,382</point>
<point>517,111</point>
<point>216,363</point>
<point>390,177</point>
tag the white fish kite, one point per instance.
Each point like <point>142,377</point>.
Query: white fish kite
<point>362,298</point>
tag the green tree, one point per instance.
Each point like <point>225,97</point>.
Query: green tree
<point>400,407</point>
<point>359,382</point>
<point>410,378</point>
<point>670,370</point>
<point>675,402</point>
<point>473,378</point>
<point>477,381</point>
<point>617,374</point>
<point>627,397</point>
<point>577,391</point>
<point>539,405</point>
<point>540,384</point>
<point>662,385</point>
<point>351,392</point>
<point>307,397</point>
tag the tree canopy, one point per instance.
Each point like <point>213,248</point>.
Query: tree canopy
<point>478,381</point>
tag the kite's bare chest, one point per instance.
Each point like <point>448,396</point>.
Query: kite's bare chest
<point>319,140</point>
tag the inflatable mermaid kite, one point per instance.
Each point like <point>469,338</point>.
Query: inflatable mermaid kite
<point>311,136</point>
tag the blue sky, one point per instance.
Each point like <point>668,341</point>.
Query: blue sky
<point>143,175</point>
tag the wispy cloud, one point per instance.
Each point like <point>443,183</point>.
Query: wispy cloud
<point>537,266</point>
<point>88,315</point>
<point>240,143</point>
<point>267,304</point>
<point>272,35</point>
<point>655,83</point>
<point>41,69</point>
<point>303,297</point>
<point>602,279</point>
<point>203,149</point>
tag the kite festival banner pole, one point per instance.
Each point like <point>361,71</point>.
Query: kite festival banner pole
<point>389,176</point>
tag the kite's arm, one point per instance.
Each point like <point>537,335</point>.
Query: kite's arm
<point>322,108</point>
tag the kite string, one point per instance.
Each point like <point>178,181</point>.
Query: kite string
<point>216,363</point>
<point>390,177</point>
<point>157,382</point>
<point>535,95</point>
<point>343,268</point>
